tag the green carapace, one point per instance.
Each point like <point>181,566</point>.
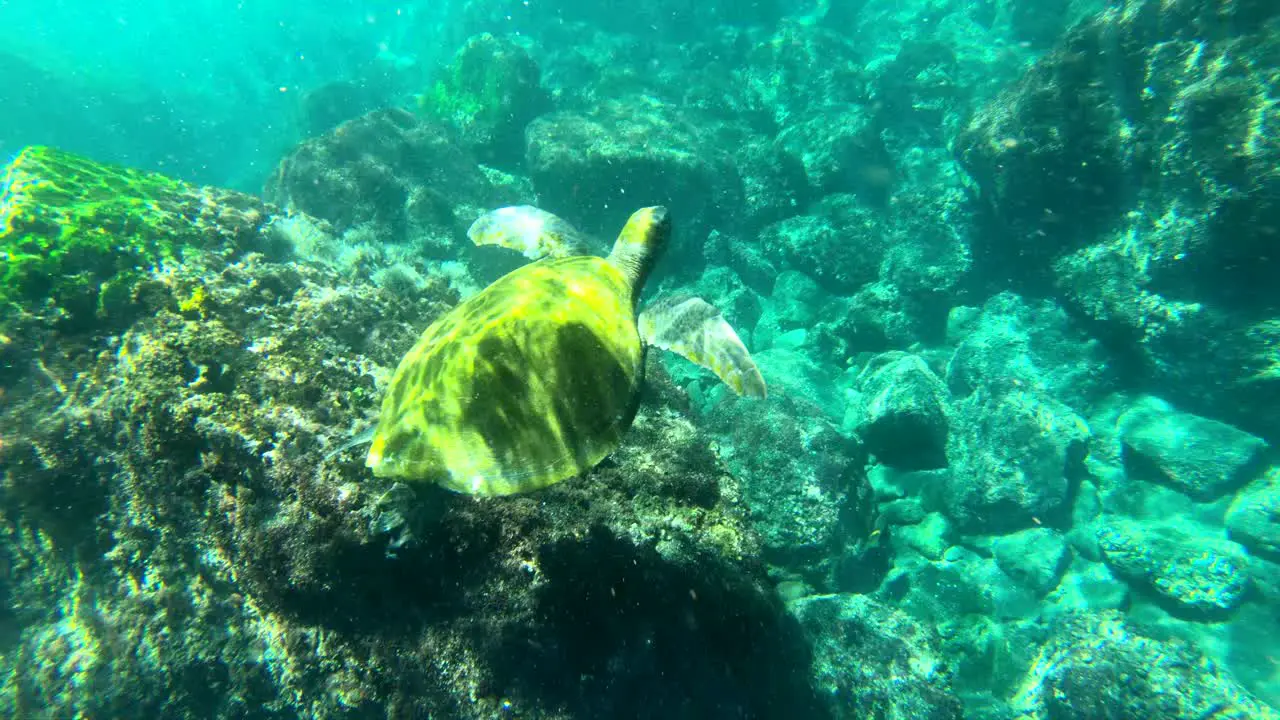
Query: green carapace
<point>535,379</point>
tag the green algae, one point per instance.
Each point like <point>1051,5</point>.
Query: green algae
<point>73,231</point>
<point>489,92</point>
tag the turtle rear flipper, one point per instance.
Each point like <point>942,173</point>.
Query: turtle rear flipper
<point>532,232</point>
<point>693,328</point>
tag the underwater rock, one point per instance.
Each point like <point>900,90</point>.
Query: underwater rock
<point>801,69</point>
<point>927,261</point>
<point>1011,342</point>
<point>1176,273</point>
<point>919,91</point>
<point>874,320</point>
<point>1204,577</point>
<point>740,305</point>
<point>76,234</point>
<point>803,481</point>
<point>1050,154</point>
<point>796,301</point>
<point>1201,457</point>
<point>745,258</point>
<point>842,153</point>
<point>873,661</point>
<point>489,93</point>
<point>1087,586</point>
<point>930,537</point>
<point>1264,573</point>
<point>774,184</point>
<point>941,592</point>
<point>1096,665</point>
<point>1012,457</point>
<point>636,150</point>
<point>1253,519</point>
<point>837,246</point>
<point>901,408</point>
<point>794,374</point>
<point>405,177</point>
<point>912,51</point>
<point>794,306</point>
<point>902,511</point>
<point>1036,557</point>
<point>167,491</point>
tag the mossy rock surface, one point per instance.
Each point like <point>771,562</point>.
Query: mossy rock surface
<point>489,93</point>
<point>72,229</point>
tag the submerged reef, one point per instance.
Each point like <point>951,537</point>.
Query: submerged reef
<point>1006,268</point>
<point>1177,274</point>
<point>167,518</point>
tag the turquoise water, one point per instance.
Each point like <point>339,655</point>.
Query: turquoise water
<point>210,94</point>
<point>933,372</point>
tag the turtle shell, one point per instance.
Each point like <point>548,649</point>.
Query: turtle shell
<point>531,381</point>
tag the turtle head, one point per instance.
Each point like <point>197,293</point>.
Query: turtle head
<point>640,244</point>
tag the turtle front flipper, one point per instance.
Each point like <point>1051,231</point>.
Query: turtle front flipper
<point>695,329</point>
<point>534,233</point>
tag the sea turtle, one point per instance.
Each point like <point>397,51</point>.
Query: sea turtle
<point>535,378</point>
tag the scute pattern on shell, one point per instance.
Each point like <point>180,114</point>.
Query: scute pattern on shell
<point>527,383</point>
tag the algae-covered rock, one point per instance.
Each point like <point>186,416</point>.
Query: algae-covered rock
<point>405,177</point>
<point>1199,456</point>
<point>1097,665</point>
<point>1202,576</point>
<point>796,375</point>
<point>1050,153</point>
<point>902,511</point>
<point>634,151</point>
<point>1012,460</point>
<point>901,409</point>
<point>838,245</point>
<point>842,152</point>
<point>804,483</point>
<point>1036,557</point>
<point>490,91</point>
<point>796,301</point>
<point>792,314</point>
<point>801,69</point>
<point>930,537</point>
<point>1088,586</point>
<point>74,233</point>
<point>1253,519</point>
<point>873,661</point>
<point>774,184</point>
<point>941,592</point>
<point>1177,273</point>
<point>1011,342</point>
